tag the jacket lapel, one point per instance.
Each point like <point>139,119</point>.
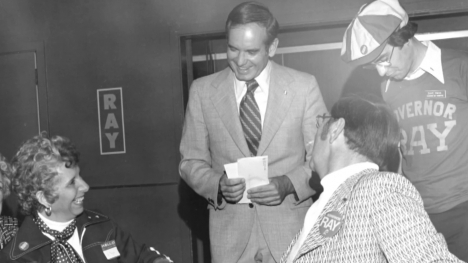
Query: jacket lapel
<point>224,101</point>
<point>338,202</point>
<point>28,238</point>
<point>279,100</point>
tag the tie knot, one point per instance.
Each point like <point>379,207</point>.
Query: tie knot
<point>252,85</point>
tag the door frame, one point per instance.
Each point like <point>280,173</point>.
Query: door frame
<point>38,48</point>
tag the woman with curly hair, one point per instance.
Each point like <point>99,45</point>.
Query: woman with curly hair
<point>8,225</point>
<point>57,228</point>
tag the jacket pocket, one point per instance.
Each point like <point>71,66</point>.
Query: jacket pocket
<point>291,202</point>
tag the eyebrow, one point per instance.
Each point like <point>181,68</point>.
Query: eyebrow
<point>71,179</point>
<point>74,177</point>
<point>248,50</point>
<point>253,50</point>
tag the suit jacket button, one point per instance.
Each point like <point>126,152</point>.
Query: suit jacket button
<point>251,205</point>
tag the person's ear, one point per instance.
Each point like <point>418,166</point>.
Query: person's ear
<point>272,48</point>
<point>42,199</point>
<point>336,129</point>
<point>409,44</point>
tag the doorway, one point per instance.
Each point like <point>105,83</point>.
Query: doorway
<point>23,101</point>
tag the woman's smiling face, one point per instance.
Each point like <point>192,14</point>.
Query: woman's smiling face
<point>70,189</point>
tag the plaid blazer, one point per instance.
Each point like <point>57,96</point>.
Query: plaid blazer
<point>383,221</point>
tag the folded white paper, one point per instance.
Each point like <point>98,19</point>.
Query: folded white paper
<point>253,169</point>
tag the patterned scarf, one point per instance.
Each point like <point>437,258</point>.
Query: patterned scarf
<point>8,228</point>
<point>61,251</point>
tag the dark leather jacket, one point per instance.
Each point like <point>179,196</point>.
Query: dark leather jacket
<point>30,245</point>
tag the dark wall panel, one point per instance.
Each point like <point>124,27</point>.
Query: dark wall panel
<point>18,85</point>
<point>91,45</point>
<point>102,44</point>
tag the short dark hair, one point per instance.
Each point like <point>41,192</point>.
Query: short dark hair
<point>253,12</point>
<point>371,130</point>
<point>35,168</point>
<point>402,35</point>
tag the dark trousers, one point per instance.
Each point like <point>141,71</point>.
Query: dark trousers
<point>453,224</point>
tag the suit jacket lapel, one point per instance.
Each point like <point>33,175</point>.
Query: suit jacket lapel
<point>338,202</point>
<point>224,101</point>
<point>279,100</point>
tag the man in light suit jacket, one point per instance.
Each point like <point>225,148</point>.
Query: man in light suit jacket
<point>286,102</point>
<point>363,214</point>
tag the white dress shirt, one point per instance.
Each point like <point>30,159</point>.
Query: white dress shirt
<point>261,93</point>
<point>330,183</point>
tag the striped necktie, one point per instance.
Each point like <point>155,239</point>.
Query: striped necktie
<point>250,118</point>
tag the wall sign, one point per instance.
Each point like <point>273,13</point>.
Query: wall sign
<point>111,121</point>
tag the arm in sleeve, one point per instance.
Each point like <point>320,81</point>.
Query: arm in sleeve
<point>131,251</point>
<point>195,165</point>
<point>403,228</point>
<point>301,175</point>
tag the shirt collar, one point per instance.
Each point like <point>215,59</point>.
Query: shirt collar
<point>54,225</point>
<point>263,80</point>
<point>432,63</point>
<point>336,178</point>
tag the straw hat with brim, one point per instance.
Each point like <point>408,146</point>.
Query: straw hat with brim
<point>366,36</point>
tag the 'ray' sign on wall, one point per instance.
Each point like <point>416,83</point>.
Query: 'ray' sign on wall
<point>111,121</point>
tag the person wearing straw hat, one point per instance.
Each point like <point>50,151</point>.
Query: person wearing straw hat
<point>427,89</point>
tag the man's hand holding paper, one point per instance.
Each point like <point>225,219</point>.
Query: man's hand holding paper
<point>254,170</point>
<point>232,189</point>
<point>272,193</point>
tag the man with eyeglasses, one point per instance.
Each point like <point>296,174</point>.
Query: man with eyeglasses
<point>427,89</point>
<point>364,214</point>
